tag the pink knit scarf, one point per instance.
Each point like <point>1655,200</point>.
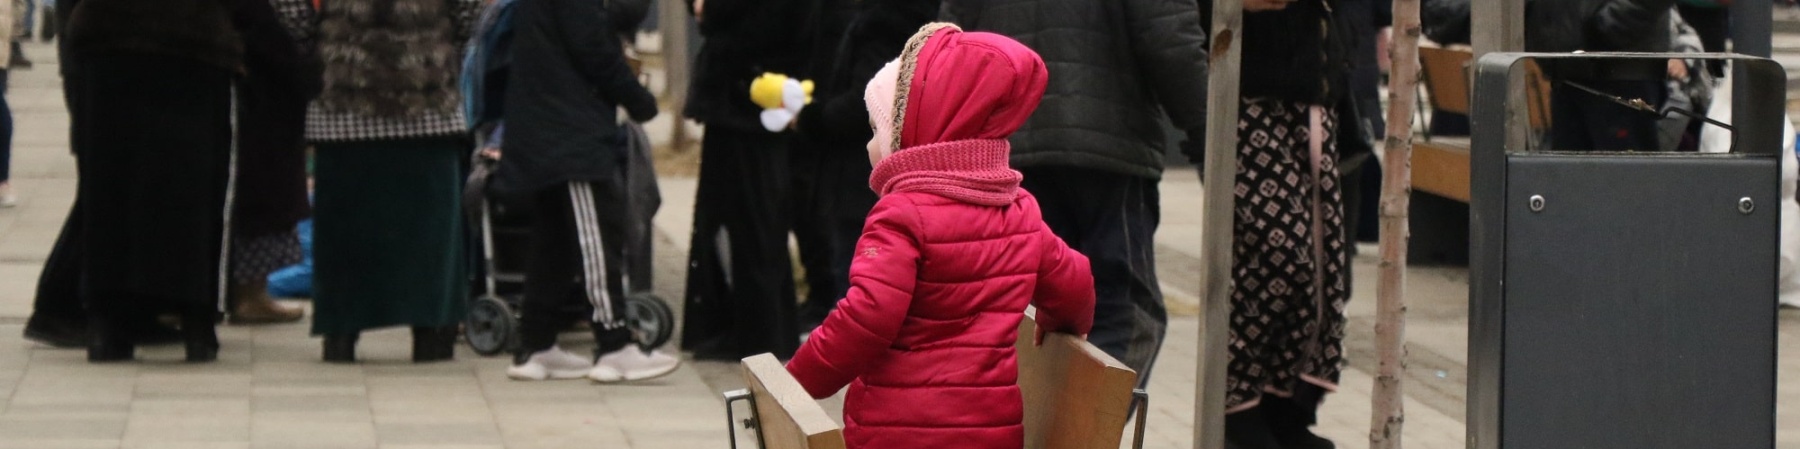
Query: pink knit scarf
<point>971,171</point>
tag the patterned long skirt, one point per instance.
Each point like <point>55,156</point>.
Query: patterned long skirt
<point>1287,319</point>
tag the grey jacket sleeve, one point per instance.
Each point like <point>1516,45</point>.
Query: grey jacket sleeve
<point>1170,46</point>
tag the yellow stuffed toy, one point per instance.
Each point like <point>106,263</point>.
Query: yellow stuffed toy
<point>781,98</point>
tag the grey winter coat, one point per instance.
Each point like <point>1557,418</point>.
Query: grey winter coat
<point>1112,64</point>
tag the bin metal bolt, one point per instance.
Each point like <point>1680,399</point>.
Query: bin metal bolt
<point>1746,206</point>
<point>1537,203</point>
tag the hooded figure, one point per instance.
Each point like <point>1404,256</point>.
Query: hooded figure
<point>950,256</point>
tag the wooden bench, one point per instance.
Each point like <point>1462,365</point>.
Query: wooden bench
<point>786,417</point>
<point>1076,397</point>
<point>1440,164</point>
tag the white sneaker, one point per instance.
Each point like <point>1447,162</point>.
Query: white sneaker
<point>7,198</point>
<point>630,363</point>
<point>553,363</point>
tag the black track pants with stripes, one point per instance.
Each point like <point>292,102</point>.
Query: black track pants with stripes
<point>577,254</point>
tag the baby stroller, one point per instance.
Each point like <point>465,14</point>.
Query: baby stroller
<point>504,229</point>
<point>492,324</point>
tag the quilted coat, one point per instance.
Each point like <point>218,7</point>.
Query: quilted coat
<point>1116,66</point>
<point>949,258</point>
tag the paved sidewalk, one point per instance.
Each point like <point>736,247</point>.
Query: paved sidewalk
<point>270,391</point>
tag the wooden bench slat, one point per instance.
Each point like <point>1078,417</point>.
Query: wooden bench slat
<point>787,417</point>
<point>1076,396</point>
<point>1445,78</point>
<point>1442,168</point>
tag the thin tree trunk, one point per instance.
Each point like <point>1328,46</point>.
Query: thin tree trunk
<point>1389,414</point>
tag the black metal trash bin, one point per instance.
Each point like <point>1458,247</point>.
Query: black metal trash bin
<point>1623,300</point>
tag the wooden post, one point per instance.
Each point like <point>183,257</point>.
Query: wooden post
<point>673,22</point>
<point>1388,415</point>
<point>1216,238</point>
<point>1501,28</point>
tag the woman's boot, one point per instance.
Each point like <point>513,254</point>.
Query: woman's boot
<point>1291,419</point>
<point>110,341</point>
<point>252,305</point>
<point>340,348</point>
<point>1249,429</point>
<point>199,333</point>
<point>434,344</point>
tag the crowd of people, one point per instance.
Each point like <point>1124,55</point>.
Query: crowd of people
<point>957,161</point>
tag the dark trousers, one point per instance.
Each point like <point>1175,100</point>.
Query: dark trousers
<point>831,201</point>
<point>740,287</point>
<point>812,233</point>
<point>1111,219</point>
<point>6,132</point>
<point>577,251</point>
<point>1582,121</point>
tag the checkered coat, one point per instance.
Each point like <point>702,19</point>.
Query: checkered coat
<point>326,125</point>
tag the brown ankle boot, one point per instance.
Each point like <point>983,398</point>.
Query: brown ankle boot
<point>252,305</point>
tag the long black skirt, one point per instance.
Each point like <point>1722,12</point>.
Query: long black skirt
<point>153,155</point>
<point>740,286</point>
<point>389,248</point>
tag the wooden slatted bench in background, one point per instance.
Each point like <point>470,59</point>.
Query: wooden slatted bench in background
<point>1440,164</point>
<point>1076,397</point>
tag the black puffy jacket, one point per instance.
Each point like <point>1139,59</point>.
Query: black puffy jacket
<point>1112,63</point>
<point>567,81</point>
<point>1598,25</point>
<point>1566,25</point>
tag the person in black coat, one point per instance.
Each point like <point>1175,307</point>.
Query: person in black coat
<point>834,136</point>
<point>1582,120</point>
<point>281,76</point>
<point>817,184</point>
<point>564,151</point>
<point>168,126</point>
<point>1363,22</point>
<point>1093,151</point>
<point>740,288</point>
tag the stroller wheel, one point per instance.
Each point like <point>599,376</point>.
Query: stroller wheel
<point>492,329</point>
<point>650,319</point>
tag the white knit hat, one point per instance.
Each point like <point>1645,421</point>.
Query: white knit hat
<point>879,97</point>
